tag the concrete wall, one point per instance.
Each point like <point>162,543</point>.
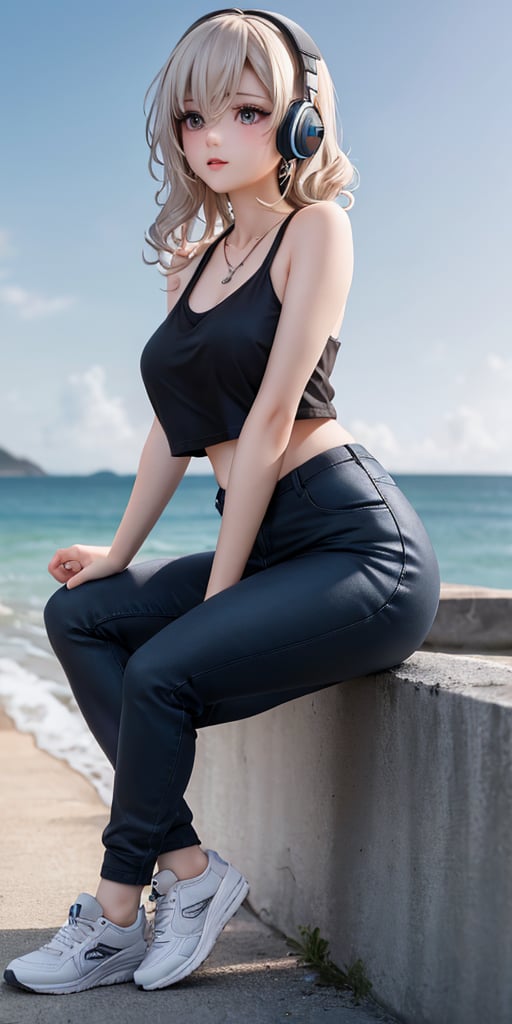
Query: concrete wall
<point>472,619</point>
<point>380,810</point>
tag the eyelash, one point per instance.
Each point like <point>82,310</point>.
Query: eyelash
<point>194,113</point>
<point>255,110</point>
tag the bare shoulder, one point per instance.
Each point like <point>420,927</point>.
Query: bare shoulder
<point>320,234</point>
<point>321,226</point>
<point>322,220</point>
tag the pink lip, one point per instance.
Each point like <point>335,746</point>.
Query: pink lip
<point>217,163</point>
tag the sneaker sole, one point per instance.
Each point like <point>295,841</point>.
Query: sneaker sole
<point>218,916</point>
<point>122,974</point>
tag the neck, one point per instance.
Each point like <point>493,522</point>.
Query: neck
<point>252,218</point>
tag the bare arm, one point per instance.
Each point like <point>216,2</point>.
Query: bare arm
<point>158,476</point>
<point>316,292</point>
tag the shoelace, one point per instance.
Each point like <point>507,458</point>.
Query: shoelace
<point>165,912</point>
<point>74,931</point>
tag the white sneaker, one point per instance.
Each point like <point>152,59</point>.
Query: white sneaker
<point>189,917</point>
<point>87,951</point>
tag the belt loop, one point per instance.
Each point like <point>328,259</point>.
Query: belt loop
<point>354,455</point>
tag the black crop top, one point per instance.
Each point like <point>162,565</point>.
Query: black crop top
<point>202,371</point>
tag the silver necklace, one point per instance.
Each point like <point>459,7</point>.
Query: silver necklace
<point>231,268</point>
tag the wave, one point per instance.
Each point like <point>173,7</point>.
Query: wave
<point>25,646</point>
<point>40,707</point>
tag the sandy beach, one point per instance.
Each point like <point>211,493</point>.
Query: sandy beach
<point>50,841</point>
<point>50,850</point>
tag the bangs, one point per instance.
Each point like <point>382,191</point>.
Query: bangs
<point>208,64</point>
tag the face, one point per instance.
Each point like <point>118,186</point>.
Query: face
<point>238,149</point>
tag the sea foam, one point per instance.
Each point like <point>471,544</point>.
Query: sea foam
<point>36,707</point>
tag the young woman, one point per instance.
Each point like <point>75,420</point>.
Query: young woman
<point>322,570</point>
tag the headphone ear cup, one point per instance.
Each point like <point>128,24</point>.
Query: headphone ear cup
<point>300,133</point>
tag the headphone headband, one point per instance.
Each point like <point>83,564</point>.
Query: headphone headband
<point>303,45</point>
<point>301,132</point>
<point>305,48</point>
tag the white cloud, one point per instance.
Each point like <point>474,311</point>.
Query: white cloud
<point>97,415</point>
<point>31,305</point>
<point>473,437</point>
<point>81,428</point>
<point>499,365</point>
<point>466,431</point>
<point>92,429</point>
<point>377,437</point>
<point>28,304</point>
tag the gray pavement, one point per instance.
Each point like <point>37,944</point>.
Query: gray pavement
<point>52,819</point>
<point>250,976</point>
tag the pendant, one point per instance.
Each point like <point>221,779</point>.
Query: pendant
<point>226,280</point>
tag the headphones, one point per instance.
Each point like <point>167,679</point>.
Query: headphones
<point>300,133</point>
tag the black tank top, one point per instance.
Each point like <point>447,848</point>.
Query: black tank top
<point>202,371</point>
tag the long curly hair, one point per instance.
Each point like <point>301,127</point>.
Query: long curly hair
<point>208,64</point>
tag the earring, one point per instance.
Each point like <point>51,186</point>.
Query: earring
<point>283,173</point>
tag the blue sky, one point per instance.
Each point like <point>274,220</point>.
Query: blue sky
<point>424,374</point>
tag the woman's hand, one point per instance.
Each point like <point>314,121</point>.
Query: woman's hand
<point>158,476</point>
<point>80,562</point>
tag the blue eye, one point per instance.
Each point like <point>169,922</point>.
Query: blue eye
<point>193,121</point>
<point>251,115</point>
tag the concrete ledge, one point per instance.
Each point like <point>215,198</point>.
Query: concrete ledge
<point>380,810</point>
<point>472,619</point>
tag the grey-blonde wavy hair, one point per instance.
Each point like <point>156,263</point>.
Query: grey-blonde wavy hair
<point>208,64</point>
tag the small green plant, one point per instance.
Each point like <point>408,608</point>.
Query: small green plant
<point>313,951</point>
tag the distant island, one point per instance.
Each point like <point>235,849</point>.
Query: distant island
<point>10,465</point>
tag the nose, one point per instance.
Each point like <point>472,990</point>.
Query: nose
<point>213,134</point>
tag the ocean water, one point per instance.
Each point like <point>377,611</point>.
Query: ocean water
<point>469,519</point>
